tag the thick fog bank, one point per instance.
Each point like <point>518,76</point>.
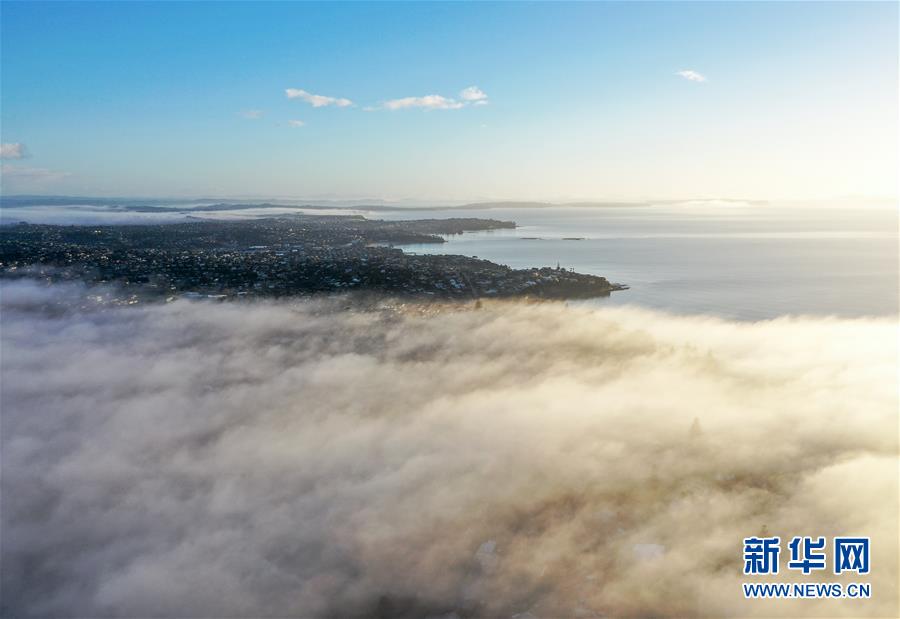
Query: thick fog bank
<point>212,460</point>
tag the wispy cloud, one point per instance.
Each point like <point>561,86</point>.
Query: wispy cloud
<point>251,114</point>
<point>317,100</point>
<point>472,95</point>
<point>690,75</point>
<point>295,123</point>
<point>12,150</point>
<point>432,102</point>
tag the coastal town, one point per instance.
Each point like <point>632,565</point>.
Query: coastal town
<point>294,255</point>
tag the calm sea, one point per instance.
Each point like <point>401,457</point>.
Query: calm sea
<point>747,262</point>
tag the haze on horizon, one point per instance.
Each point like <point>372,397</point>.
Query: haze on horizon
<point>451,102</point>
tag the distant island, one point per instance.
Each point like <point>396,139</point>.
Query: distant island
<point>278,257</point>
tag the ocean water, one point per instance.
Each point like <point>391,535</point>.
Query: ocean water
<point>745,262</point>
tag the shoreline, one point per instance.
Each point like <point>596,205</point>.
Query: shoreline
<point>281,257</point>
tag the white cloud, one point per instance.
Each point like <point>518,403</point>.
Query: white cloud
<point>12,150</point>
<point>690,75</point>
<point>317,100</point>
<point>468,96</point>
<point>432,102</point>
<point>473,93</point>
<point>296,123</point>
<point>251,114</point>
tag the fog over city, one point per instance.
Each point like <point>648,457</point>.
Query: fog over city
<point>325,458</point>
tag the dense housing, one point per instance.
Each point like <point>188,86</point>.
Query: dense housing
<point>275,257</point>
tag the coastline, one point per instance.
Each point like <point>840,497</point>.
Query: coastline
<point>300,255</point>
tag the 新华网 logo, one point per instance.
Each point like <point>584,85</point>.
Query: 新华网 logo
<point>807,555</point>
<point>849,554</point>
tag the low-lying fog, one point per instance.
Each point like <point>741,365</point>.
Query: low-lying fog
<point>311,459</point>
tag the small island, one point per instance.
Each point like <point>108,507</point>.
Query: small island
<point>286,256</point>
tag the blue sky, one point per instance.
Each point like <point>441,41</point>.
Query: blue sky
<point>577,101</point>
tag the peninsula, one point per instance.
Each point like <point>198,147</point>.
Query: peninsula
<point>279,257</point>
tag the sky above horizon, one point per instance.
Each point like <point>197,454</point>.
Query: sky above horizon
<point>461,101</point>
